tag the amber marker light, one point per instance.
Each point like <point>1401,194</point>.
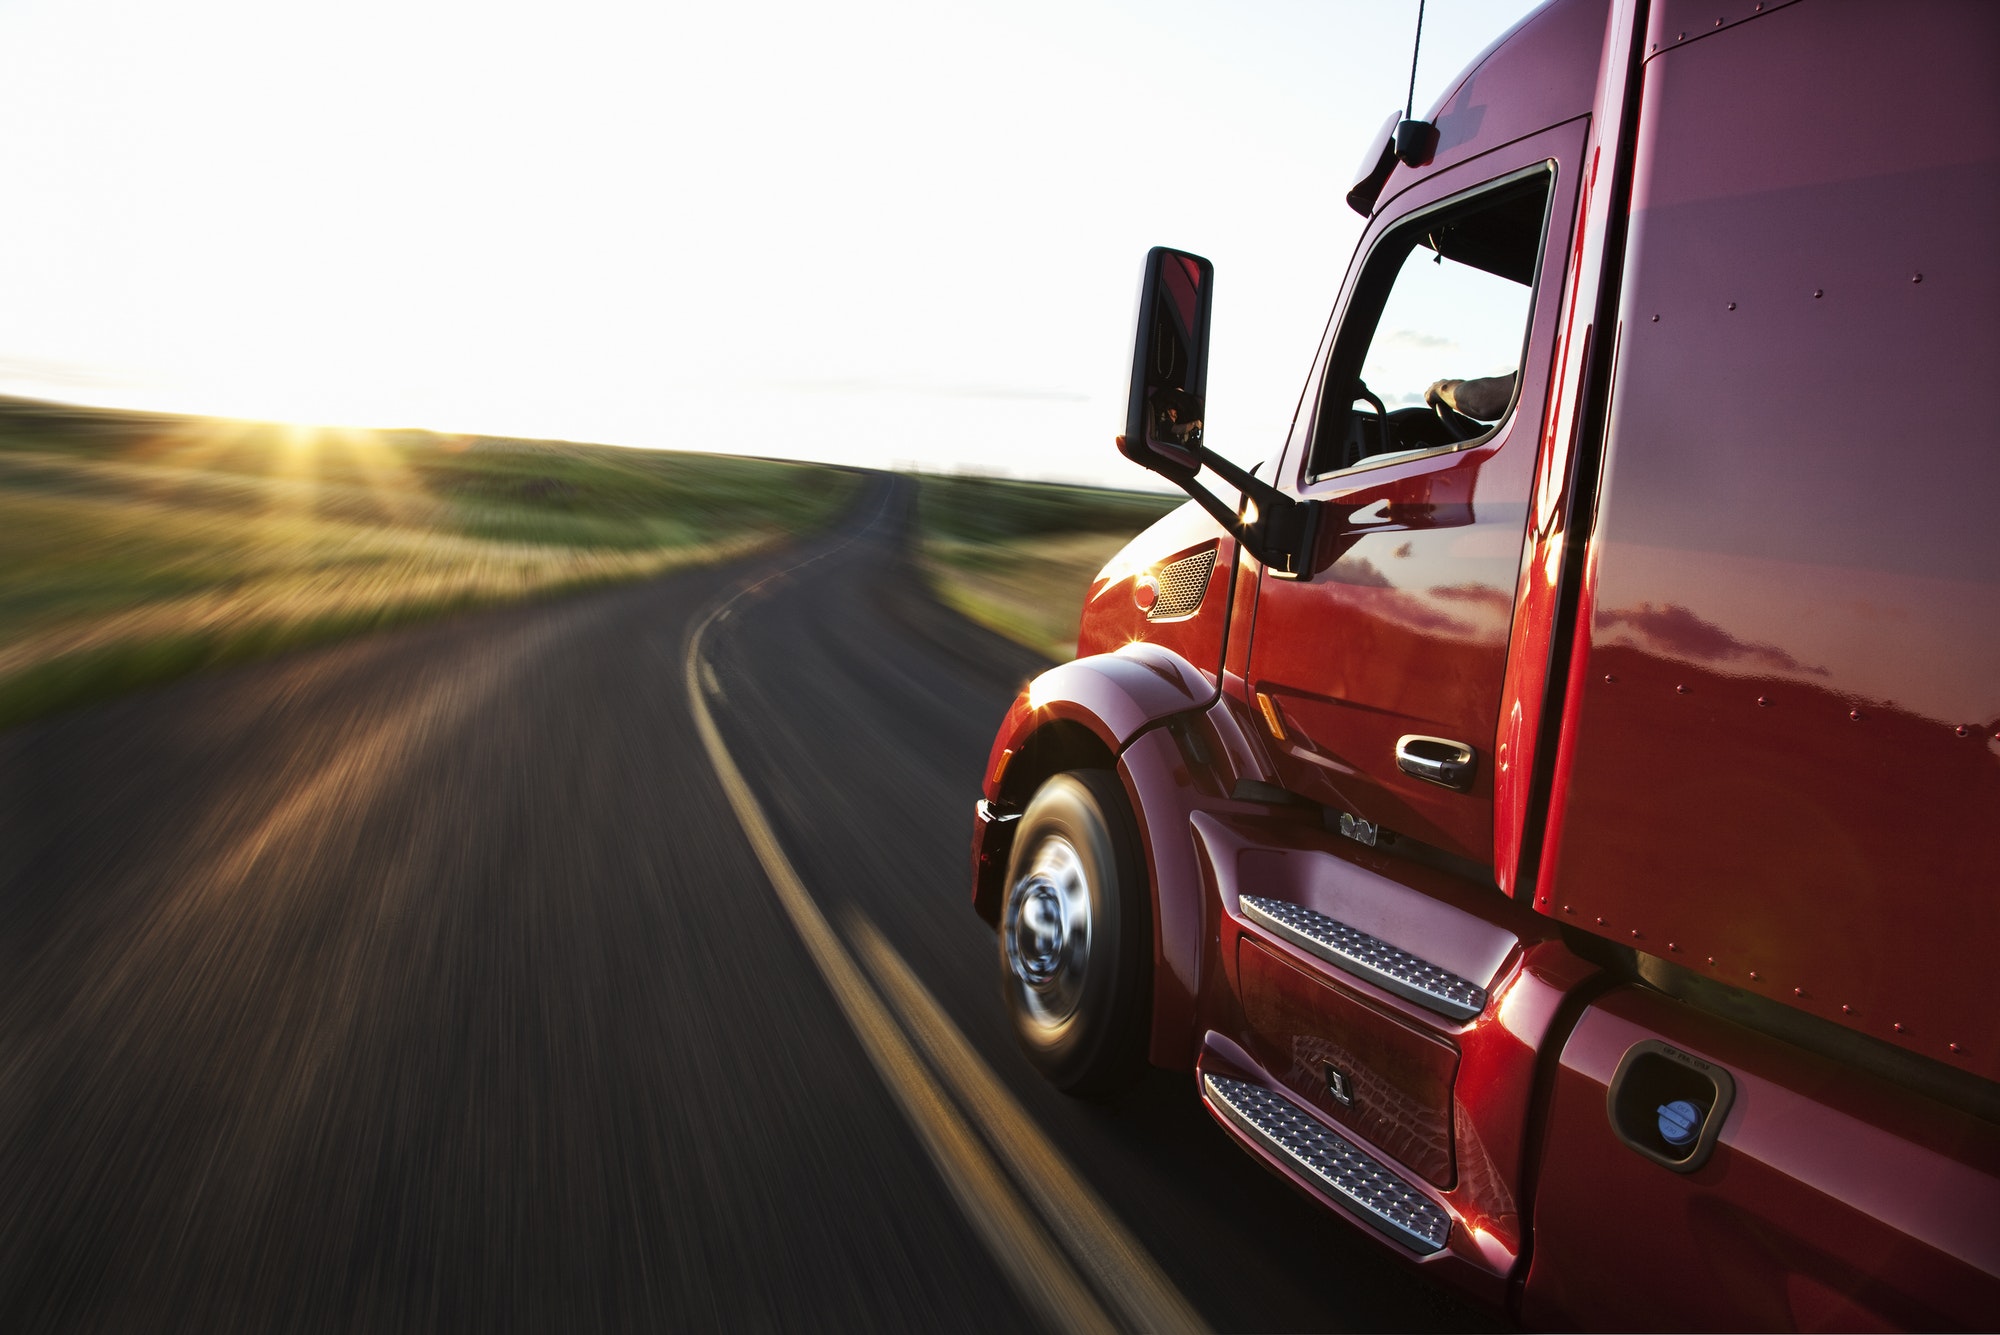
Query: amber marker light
<point>1272,719</point>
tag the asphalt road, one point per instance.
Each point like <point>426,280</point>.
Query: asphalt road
<point>432,981</point>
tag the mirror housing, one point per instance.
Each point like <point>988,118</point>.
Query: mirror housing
<point>1167,399</point>
<point>1376,164</point>
<point>1409,142</point>
<point>1169,387</point>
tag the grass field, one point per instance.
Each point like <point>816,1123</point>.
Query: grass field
<point>139,547</point>
<point>1019,556</point>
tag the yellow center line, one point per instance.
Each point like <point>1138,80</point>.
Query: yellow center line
<point>1032,1263</point>
<point>1107,1252</point>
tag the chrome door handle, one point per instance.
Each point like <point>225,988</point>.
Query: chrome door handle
<point>1436,760</point>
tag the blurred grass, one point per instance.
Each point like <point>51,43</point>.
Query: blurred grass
<point>139,547</point>
<point>1018,557</point>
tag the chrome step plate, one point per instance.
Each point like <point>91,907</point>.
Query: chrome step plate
<point>1386,966</point>
<point>1352,1176</point>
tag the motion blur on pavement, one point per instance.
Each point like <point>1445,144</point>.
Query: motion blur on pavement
<point>458,877</point>
<point>420,967</point>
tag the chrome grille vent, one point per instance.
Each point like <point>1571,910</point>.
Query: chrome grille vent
<point>1181,586</point>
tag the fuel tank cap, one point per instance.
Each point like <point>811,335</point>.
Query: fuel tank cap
<point>1680,1122</point>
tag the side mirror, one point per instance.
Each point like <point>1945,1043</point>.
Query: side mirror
<point>1164,405</point>
<point>1167,400</point>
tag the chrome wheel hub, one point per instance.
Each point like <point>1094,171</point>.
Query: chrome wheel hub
<point>1045,927</point>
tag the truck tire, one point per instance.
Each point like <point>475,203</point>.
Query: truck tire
<point>1076,938</point>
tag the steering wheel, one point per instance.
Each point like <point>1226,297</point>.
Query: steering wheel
<point>1361,391</point>
<point>1457,423</point>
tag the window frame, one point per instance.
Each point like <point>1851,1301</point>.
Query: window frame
<point>1344,358</point>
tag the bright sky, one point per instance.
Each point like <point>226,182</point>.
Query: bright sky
<point>874,232</point>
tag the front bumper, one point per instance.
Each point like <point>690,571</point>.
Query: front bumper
<point>993,826</point>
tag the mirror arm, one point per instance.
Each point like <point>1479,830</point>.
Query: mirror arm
<point>1269,499</point>
<point>1222,514</point>
<point>1281,537</point>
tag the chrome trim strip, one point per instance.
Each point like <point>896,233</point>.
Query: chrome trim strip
<point>1368,957</point>
<point>1352,1175</point>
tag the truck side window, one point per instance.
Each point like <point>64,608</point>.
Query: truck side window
<point>1430,351</point>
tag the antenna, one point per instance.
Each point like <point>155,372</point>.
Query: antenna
<point>1415,140</point>
<point>1410,103</point>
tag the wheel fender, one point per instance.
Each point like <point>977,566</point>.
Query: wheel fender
<point>1114,697</point>
<point>1091,712</point>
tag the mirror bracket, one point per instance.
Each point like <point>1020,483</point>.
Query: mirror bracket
<point>1165,406</point>
<point>1278,530</point>
<point>1275,528</point>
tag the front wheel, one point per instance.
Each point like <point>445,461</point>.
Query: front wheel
<point>1076,941</point>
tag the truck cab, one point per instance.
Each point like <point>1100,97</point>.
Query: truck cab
<point>1551,812</point>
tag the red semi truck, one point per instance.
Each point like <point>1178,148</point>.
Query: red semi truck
<point>1555,811</point>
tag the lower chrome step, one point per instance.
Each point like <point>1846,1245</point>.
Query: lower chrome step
<point>1351,1175</point>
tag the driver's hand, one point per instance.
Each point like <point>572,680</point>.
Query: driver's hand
<point>1483,400</point>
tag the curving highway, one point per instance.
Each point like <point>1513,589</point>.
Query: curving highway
<point>599,964</point>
